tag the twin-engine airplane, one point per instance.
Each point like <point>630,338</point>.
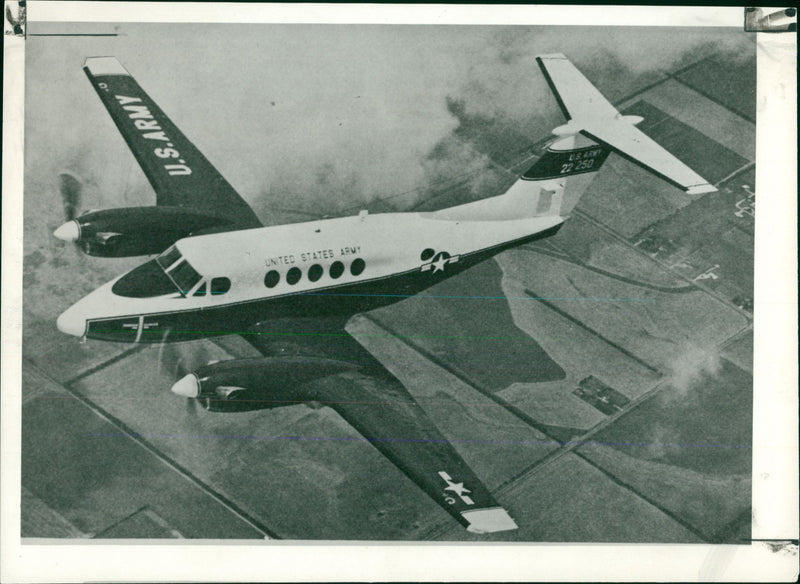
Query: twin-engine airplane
<point>219,271</point>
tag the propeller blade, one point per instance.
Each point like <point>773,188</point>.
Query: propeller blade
<point>176,360</point>
<point>191,406</point>
<point>71,195</point>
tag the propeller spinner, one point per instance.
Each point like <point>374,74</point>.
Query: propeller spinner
<point>71,191</point>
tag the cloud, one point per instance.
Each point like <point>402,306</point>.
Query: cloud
<point>503,104</point>
<point>660,442</point>
<point>690,364</point>
<point>328,119</point>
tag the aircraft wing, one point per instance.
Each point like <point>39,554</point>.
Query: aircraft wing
<point>178,172</point>
<point>386,414</point>
<point>383,411</point>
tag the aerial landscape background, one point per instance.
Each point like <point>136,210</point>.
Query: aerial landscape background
<point>599,382</point>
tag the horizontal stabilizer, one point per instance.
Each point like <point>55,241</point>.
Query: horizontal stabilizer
<point>590,114</point>
<point>636,146</point>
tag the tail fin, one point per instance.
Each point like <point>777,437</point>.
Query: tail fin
<point>555,183</point>
<point>591,115</point>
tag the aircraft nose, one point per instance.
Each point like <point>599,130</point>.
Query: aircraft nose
<point>187,386</point>
<point>71,323</point>
<point>69,231</point>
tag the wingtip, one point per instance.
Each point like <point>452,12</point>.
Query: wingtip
<point>489,520</point>
<point>99,66</point>
<point>701,189</point>
<point>551,56</point>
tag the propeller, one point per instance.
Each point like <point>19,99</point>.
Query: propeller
<point>193,404</point>
<point>176,360</point>
<point>71,194</point>
<point>71,198</point>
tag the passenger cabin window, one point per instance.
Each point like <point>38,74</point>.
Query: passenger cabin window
<point>220,286</point>
<point>272,278</point>
<point>185,276</point>
<point>169,257</point>
<point>337,269</point>
<point>293,276</point>
<point>357,266</point>
<point>315,272</point>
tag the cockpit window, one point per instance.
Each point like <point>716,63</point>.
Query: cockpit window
<point>201,291</point>
<point>185,276</point>
<point>169,257</point>
<point>146,281</point>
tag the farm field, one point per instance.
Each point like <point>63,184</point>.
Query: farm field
<point>711,240</point>
<point>729,83</point>
<point>617,515</point>
<point>653,326</point>
<point>94,483</point>
<point>693,437</point>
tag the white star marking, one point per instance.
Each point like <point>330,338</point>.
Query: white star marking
<point>438,265</point>
<point>457,488</point>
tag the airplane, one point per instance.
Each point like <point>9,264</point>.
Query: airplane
<point>220,271</point>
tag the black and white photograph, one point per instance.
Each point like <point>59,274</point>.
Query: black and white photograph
<point>367,282</point>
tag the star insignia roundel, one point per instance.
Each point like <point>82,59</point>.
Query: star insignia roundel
<point>437,261</point>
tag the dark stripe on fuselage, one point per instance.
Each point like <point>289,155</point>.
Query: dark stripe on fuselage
<point>342,299</point>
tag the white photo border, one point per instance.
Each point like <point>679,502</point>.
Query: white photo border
<point>775,440</point>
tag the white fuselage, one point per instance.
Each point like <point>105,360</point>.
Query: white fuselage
<point>383,246</point>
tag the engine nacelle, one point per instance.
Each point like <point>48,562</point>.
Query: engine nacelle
<point>256,384</point>
<point>134,231</point>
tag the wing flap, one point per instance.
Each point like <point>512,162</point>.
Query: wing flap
<point>178,172</point>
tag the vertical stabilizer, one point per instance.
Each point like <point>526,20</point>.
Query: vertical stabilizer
<point>565,170</point>
<point>552,186</point>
